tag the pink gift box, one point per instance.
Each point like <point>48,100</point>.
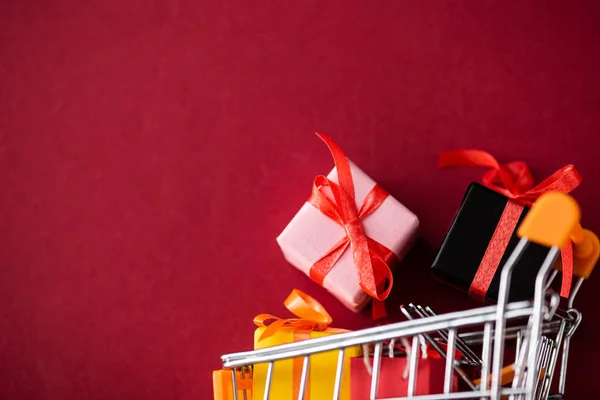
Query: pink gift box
<point>311,234</point>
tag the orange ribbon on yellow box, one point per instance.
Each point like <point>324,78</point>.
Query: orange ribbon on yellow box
<point>312,321</point>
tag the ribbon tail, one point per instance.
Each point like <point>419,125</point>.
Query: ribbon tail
<point>467,158</point>
<point>378,310</point>
<point>385,254</point>
<point>509,179</point>
<point>347,202</point>
<point>321,202</point>
<point>271,329</point>
<point>567,269</point>
<point>383,277</point>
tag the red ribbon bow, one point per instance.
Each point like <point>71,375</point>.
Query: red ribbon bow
<point>371,258</point>
<point>513,180</point>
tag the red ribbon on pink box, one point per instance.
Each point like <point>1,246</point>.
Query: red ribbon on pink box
<point>349,234</point>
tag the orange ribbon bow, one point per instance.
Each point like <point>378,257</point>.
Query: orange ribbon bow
<point>371,258</point>
<point>513,180</point>
<point>312,316</point>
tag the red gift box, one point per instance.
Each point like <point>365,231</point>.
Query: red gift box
<point>430,377</point>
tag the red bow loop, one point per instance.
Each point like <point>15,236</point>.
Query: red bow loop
<point>319,199</point>
<point>564,180</point>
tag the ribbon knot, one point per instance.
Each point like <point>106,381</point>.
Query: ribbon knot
<point>514,176</point>
<point>354,228</point>
<point>338,202</point>
<point>515,181</point>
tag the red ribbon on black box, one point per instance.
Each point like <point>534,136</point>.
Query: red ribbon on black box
<point>513,180</point>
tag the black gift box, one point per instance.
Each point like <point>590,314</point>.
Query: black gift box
<point>467,240</point>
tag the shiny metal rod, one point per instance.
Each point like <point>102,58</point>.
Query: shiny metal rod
<point>304,377</point>
<point>234,382</point>
<point>536,326</point>
<point>450,360</point>
<point>414,368</point>
<point>376,369</point>
<point>382,333</point>
<point>268,381</point>
<point>337,388</point>
<point>505,279</point>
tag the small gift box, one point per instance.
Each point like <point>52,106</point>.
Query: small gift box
<point>348,235</point>
<point>483,233</point>
<point>313,322</point>
<point>223,385</point>
<point>393,377</point>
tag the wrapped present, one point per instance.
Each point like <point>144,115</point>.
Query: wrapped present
<point>393,378</point>
<point>348,235</point>
<point>483,233</point>
<point>312,322</point>
<point>223,385</point>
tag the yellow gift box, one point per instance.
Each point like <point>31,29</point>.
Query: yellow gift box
<point>312,322</point>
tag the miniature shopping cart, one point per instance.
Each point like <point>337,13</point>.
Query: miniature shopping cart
<point>542,330</point>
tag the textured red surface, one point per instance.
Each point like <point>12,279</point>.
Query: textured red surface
<point>152,151</point>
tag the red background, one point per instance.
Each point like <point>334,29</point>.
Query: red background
<point>150,153</point>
